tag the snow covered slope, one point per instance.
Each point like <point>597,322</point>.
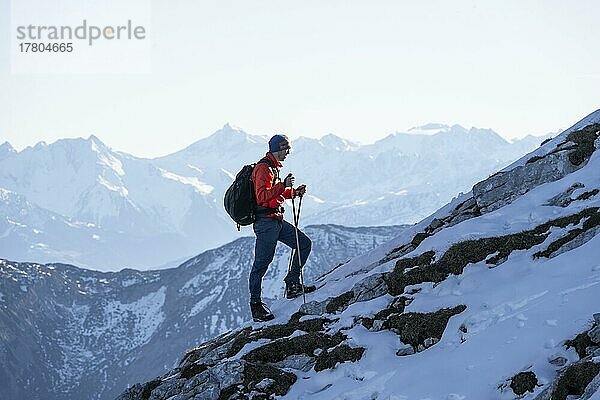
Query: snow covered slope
<point>171,207</point>
<point>71,333</point>
<point>495,296</point>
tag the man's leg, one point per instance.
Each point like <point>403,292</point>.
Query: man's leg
<point>287,235</point>
<point>267,231</point>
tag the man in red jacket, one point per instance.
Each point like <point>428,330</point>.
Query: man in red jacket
<point>270,226</point>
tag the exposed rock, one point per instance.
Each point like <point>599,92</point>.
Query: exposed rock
<point>367,322</point>
<point>303,344</point>
<point>265,384</point>
<point>276,331</point>
<point>205,385</point>
<point>340,302</point>
<point>421,268</point>
<point>594,334</point>
<point>212,351</point>
<point>584,140</point>
<point>597,318</point>
<point>587,195</point>
<point>140,391</point>
<point>369,288</point>
<point>339,354</point>
<point>406,350</point>
<point>398,252</point>
<point>580,343</point>
<point>523,382</point>
<point>591,388</point>
<point>314,307</point>
<point>377,325</point>
<point>300,362</point>
<point>255,374</point>
<point>502,188</point>
<point>558,361</point>
<point>466,210</point>
<point>415,328</point>
<point>564,199</point>
<point>192,370</point>
<point>397,279</point>
<point>575,237</point>
<point>395,307</point>
<point>575,379</point>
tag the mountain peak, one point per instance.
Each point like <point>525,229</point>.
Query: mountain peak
<point>94,138</point>
<point>96,143</point>
<point>231,134</point>
<point>332,141</point>
<point>228,130</point>
<point>6,148</point>
<point>230,127</point>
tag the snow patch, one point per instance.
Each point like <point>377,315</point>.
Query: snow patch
<point>134,322</point>
<point>130,281</point>
<point>201,305</point>
<point>113,188</point>
<point>200,187</point>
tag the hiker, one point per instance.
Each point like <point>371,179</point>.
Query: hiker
<point>270,226</point>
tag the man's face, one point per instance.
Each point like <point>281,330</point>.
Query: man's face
<point>281,154</point>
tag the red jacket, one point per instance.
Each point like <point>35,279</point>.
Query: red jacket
<point>268,194</point>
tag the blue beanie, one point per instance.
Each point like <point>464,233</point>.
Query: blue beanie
<point>278,143</point>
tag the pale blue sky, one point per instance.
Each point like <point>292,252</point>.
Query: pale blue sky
<point>358,69</point>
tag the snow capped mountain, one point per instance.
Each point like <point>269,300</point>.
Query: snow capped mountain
<point>164,214</point>
<point>171,206</point>
<point>71,333</point>
<point>6,149</point>
<point>494,296</point>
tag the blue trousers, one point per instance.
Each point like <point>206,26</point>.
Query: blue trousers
<point>268,231</point>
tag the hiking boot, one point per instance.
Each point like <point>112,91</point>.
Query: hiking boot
<point>260,312</point>
<point>293,290</point>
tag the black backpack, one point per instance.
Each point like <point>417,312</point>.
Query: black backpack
<point>239,200</point>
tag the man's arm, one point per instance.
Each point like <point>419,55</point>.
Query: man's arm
<point>263,180</point>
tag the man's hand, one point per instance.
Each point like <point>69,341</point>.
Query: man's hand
<point>289,181</point>
<point>300,190</point>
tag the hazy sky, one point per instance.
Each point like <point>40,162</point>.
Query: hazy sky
<point>358,69</point>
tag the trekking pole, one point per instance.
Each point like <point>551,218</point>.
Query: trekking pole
<point>292,252</point>
<point>290,263</point>
<point>296,221</point>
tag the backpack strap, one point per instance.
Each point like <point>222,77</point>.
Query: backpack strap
<point>260,210</point>
<point>266,160</point>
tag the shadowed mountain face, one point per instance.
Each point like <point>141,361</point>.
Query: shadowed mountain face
<point>493,296</point>
<point>71,333</point>
<point>122,211</point>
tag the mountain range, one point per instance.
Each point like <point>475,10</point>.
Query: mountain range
<point>73,333</point>
<point>78,201</point>
<point>493,296</point>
